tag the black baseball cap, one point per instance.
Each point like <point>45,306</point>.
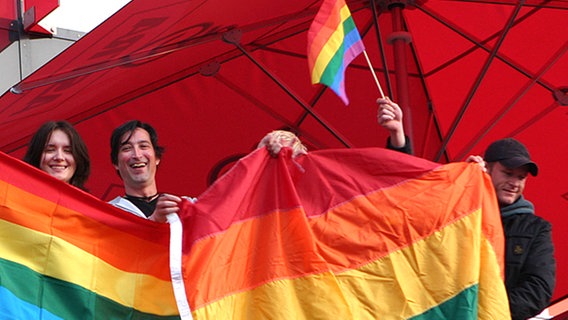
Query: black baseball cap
<point>510,153</point>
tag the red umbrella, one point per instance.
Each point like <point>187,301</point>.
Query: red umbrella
<point>214,76</point>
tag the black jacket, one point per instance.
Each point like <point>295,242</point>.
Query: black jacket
<point>530,268</point>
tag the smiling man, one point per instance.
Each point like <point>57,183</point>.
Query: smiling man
<point>135,154</point>
<point>530,268</point>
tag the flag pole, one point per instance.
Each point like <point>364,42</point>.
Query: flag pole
<point>374,74</point>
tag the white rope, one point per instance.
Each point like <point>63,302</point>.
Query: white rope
<point>176,235</point>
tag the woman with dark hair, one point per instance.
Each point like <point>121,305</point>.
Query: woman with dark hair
<point>58,149</point>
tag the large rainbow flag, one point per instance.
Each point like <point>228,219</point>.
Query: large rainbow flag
<point>338,234</point>
<point>333,42</point>
<point>67,255</point>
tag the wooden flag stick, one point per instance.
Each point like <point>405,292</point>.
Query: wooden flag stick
<point>374,75</point>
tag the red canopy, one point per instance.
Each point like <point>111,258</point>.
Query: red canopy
<point>214,76</point>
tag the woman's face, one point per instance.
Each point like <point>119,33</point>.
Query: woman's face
<point>57,157</point>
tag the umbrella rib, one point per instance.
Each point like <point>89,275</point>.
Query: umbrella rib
<point>549,4</point>
<point>381,47</point>
<point>534,119</point>
<point>478,81</point>
<point>514,100</point>
<point>265,108</point>
<point>313,103</point>
<point>319,92</point>
<point>229,39</point>
<point>433,117</point>
<point>481,45</point>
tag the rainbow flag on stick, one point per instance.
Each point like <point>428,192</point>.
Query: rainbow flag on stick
<point>333,42</point>
<point>337,234</point>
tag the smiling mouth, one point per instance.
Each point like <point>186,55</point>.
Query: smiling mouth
<point>138,166</point>
<point>58,167</point>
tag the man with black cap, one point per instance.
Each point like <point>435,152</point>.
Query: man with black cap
<point>530,268</point>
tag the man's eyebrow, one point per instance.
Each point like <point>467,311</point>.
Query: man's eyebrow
<point>136,142</point>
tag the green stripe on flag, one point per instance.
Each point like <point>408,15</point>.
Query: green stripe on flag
<point>332,69</point>
<point>64,299</point>
<point>348,25</point>
<point>463,306</point>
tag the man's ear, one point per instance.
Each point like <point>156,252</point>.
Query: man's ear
<point>488,167</point>
<point>158,161</point>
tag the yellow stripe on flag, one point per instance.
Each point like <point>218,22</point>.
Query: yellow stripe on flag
<point>406,283</point>
<point>54,257</point>
<point>330,48</point>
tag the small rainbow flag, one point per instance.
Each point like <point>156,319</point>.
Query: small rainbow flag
<point>333,42</point>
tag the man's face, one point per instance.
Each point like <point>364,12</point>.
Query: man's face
<point>137,160</point>
<point>509,183</point>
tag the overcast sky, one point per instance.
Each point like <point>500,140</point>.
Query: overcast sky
<point>81,15</point>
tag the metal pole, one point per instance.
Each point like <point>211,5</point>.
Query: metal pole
<point>399,39</point>
<point>381,47</point>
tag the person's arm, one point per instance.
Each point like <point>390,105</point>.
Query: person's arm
<point>537,278</point>
<point>389,116</point>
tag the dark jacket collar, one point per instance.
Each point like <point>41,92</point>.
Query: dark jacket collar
<point>518,207</point>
